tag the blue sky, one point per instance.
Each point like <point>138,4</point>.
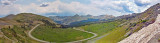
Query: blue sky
<point>71,7</point>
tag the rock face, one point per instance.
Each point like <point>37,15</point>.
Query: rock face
<point>145,34</point>
<point>155,39</point>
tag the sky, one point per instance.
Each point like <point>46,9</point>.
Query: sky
<point>72,7</point>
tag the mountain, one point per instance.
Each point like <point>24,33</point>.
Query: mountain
<point>145,34</point>
<point>69,20</point>
<point>133,23</point>
<point>15,27</point>
<point>25,18</point>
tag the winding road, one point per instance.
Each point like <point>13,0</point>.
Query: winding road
<point>86,38</point>
<point>95,39</point>
<point>29,34</point>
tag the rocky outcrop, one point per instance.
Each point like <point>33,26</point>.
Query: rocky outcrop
<point>145,34</point>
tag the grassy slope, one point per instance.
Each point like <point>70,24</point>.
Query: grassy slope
<point>119,33</point>
<point>19,34</point>
<point>22,23</point>
<point>114,36</point>
<point>102,28</point>
<point>3,39</point>
<point>58,34</point>
<point>26,21</point>
<point>135,23</point>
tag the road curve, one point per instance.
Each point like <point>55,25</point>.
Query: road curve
<point>29,33</point>
<point>95,39</point>
<point>86,38</point>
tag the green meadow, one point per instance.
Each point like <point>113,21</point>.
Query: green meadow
<point>50,34</point>
<point>114,36</point>
<point>101,28</point>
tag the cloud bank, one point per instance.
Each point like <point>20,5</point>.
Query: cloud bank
<point>62,7</point>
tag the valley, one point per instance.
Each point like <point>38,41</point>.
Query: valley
<point>72,21</point>
<point>32,28</point>
<point>50,34</point>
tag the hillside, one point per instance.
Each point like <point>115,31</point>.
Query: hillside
<point>134,23</point>
<point>146,33</point>
<point>16,27</point>
<point>27,18</point>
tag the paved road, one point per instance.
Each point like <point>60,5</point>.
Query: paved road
<point>66,42</point>
<point>29,34</point>
<point>95,39</point>
<point>86,38</point>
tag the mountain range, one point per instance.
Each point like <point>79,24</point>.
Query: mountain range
<point>77,19</point>
<point>15,28</point>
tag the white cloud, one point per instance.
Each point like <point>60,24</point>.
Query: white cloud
<point>123,6</point>
<point>144,1</point>
<point>39,0</point>
<point>111,7</point>
<point>96,7</point>
<point>8,9</point>
<point>31,8</point>
<point>57,7</point>
<point>77,7</point>
<point>7,2</point>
